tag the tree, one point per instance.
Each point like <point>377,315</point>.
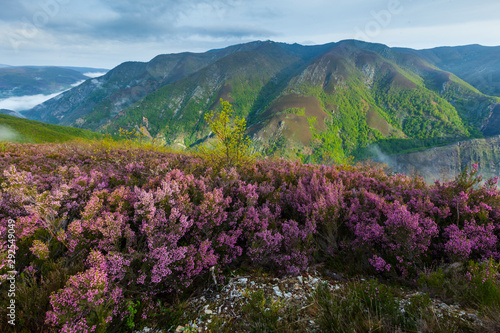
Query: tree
<point>232,146</point>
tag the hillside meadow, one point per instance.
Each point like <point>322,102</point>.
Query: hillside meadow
<point>20,130</point>
<point>114,237</point>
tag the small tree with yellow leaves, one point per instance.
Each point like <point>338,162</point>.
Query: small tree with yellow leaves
<point>232,146</point>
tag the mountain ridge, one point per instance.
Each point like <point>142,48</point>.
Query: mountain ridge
<point>352,94</point>
<point>20,81</point>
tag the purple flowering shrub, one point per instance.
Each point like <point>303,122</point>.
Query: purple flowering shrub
<point>85,304</point>
<point>395,236</point>
<point>134,225</point>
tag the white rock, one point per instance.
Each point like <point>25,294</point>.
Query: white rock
<point>277,291</point>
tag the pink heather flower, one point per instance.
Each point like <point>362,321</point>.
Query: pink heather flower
<point>379,264</point>
<point>116,265</point>
<point>30,270</point>
<point>141,279</point>
<point>28,225</point>
<point>84,295</point>
<point>40,249</point>
<point>458,244</point>
<point>61,236</point>
<point>96,259</point>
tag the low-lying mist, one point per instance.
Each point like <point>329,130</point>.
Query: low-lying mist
<point>22,103</point>
<point>7,134</point>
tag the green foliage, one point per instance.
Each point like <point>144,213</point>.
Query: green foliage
<point>420,113</point>
<point>391,146</point>
<point>132,135</point>
<point>24,130</point>
<point>232,145</point>
<point>131,308</point>
<point>327,145</point>
<point>263,312</point>
<point>484,283</point>
<point>33,294</point>
<point>371,306</point>
<point>476,284</point>
<point>296,111</point>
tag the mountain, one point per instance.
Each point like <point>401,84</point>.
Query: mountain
<point>85,70</point>
<point>448,161</point>
<point>34,80</point>
<point>24,130</point>
<point>476,64</point>
<point>321,103</point>
<point>97,100</point>
<point>21,81</point>
<point>11,113</point>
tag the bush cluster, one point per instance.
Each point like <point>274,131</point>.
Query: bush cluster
<point>137,226</point>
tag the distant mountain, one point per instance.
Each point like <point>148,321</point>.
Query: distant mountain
<point>23,130</point>
<point>22,81</point>
<point>11,113</point>
<point>320,103</point>
<point>3,66</point>
<point>85,70</point>
<point>123,86</point>
<point>476,64</point>
<point>448,161</point>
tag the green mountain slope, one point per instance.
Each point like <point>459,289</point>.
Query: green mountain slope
<point>95,101</point>
<point>321,103</point>
<point>371,98</point>
<point>175,111</point>
<point>23,130</point>
<point>476,64</point>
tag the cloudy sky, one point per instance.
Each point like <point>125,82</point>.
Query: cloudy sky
<point>104,33</point>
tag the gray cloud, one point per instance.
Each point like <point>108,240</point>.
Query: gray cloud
<point>103,33</point>
<point>227,31</point>
<point>11,11</point>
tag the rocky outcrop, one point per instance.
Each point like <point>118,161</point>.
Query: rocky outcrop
<point>448,161</point>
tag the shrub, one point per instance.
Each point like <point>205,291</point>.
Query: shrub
<point>232,146</point>
<point>118,222</point>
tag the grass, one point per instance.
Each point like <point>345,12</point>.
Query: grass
<point>31,131</point>
<point>476,285</point>
<point>360,305</point>
<point>369,306</point>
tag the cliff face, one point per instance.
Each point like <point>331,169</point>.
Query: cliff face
<point>448,161</point>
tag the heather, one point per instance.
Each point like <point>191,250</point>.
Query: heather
<point>109,235</point>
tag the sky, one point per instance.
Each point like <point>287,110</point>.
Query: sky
<point>105,33</point>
